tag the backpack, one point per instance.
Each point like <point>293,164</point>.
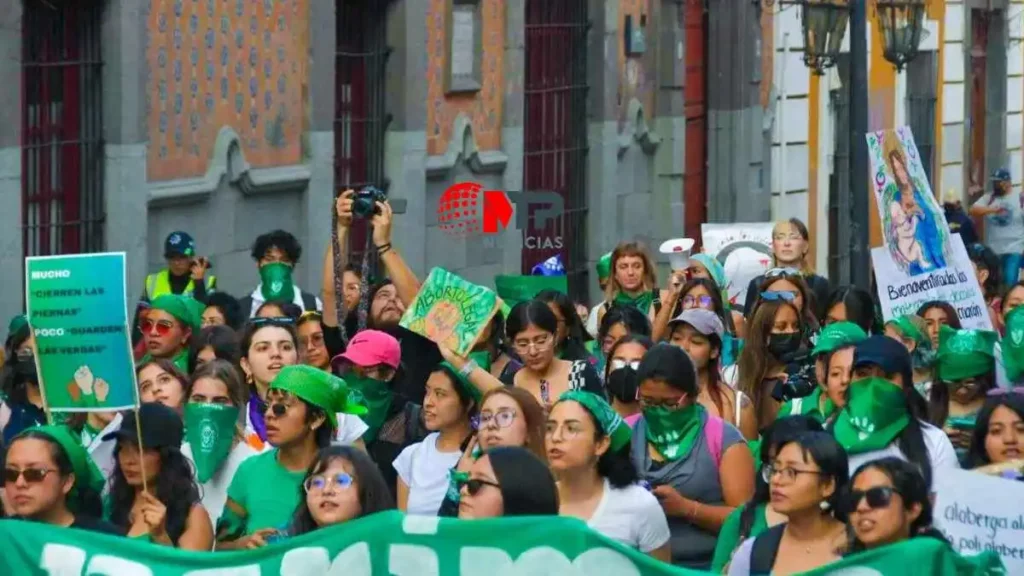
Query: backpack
<point>765,549</point>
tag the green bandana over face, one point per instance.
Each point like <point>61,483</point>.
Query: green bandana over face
<point>1013,344</point>
<point>642,302</point>
<point>810,406</point>
<point>376,395</point>
<point>875,414</point>
<point>277,283</point>
<point>612,425</point>
<point>965,353</point>
<point>838,335</point>
<point>673,431</point>
<point>210,432</point>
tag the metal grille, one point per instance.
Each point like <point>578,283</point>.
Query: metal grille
<point>359,117</point>
<point>922,74</point>
<point>62,145</point>
<point>555,147</point>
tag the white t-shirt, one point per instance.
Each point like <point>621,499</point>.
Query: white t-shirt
<point>592,324</point>
<point>214,491</point>
<point>940,451</point>
<point>102,451</point>
<point>632,516</point>
<point>425,471</point>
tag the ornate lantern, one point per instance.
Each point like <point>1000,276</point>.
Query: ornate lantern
<point>902,25</point>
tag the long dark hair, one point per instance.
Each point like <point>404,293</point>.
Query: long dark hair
<point>978,455</point>
<point>527,485</point>
<point>717,303</point>
<point>986,259</point>
<point>831,458</point>
<point>860,307</point>
<point>87,501</point>
<point>635,321</point>
<point>374,494</point>
<point>951,317</point>
<point>753,360</point>
<point>938,400</point>
<point>573,347</point>
<point>175,488</point>
<point>222,339</point>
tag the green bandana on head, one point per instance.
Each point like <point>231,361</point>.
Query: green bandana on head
<point>642,302</point>
<point>604,267</point>
<point>875,414</point>
<point>210,432</point>
<point>319,388</point>
<point>908,327</point>
<point>714,268</point>
<point>838,335</point>
<point>965,353</point>
<point>180,308</point>
<point>85,470</point>
<point>464,382</point>
<point>377,396</point>
<point>17,324</point>
<point>1013,344</point>
<point>276,282</point>
<point>673,431</point>
<point>612,425</point>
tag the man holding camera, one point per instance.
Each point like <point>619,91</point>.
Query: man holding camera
<point>185,274</point>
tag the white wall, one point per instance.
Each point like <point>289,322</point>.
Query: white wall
<point>792,116</point>
<point>1015,91</point>
<point>953,129</point>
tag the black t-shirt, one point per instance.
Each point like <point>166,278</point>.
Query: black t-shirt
<point>419,357</point>
<point>96,525</point>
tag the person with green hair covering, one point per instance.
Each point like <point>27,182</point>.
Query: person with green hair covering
<point>50,478</point>
<point>912,332</point>
<point>167,327</point>
<point>966,369</point>
<point>833,356</point>
<point>604,273</point>
<point>1009,352</point>
<point>588,451</point>
<point>301,417</point>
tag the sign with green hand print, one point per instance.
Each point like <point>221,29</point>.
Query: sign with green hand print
<point>451,311</point>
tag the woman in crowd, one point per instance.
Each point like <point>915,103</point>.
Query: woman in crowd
<point>833,359</point>
<point>912,331</point>
<point>49,478</point>
<point>852,304</point>
<point>708,267</point>
<point>889,502</point>
<point>700,332</point>
<point>267,347</point>
<point>988,270</point>
<point>22,405</point>
<point>699,464</point>
<point>791,243</point>
<point>493,354</point>
<point>787,285</point>
<point>775,338</point>
<point>222,309</point>
<point>153,495</point>
<point>966,370</point>
<point>216,397</point>
<point>508,481</point>
<point>310,332</point>
<point>266,490</point>
<point>282,311</point>
<point>807,480</point>
<point>620,378</point>
<point>211,343</point>
<point>1010,362</point>
<point>702,294</point>
<point>571,337</point>
<point>342,484</point>
<point>937,313</point>
<point>621,321</point>
<point>885,416</point>
<point>633,281</point>
<point>162,382</point>
<point>998,437</point>
<point>588,450</point>
<point>423,468</point>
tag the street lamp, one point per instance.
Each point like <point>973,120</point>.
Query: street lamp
<point>824,27</point>
<point>902,25</point>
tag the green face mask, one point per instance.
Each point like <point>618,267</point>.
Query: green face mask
<point>276,281</point>
<point>210,431</point>
<point>673,431</point>
<point>376,396</point>
<point>875,414</point>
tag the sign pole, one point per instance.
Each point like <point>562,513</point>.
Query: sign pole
<point>142,461</point>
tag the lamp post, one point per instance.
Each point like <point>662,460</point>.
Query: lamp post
<point>902,26</point>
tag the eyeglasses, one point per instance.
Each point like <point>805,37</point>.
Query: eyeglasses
<point>309,315</point>
<point>163,327</point>
<point>776,296</point>
<point>789,474</point>
<point>780,272</point>
<point>541,343</point>
<point>877,497</point>
<point>503,418</point>
<point>474,485</point>
<point>660,402</point>
<point>278,321</point>
<point>570,430</point>
<point>32,475</point>
<point>321,483</point>
<point>1005,391</point>
<point>619,363</point>
<point>317,340</point>
<point>702,301</point>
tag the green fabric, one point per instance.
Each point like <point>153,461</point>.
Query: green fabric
<point>642,302</point>
<point>85,470</point>
<point>965,353</point>
<point>180,360</point>
<point>809,406</point>
<point>276,282</point>
<point>267,492</point>
<point>17,323</point>
<point>377,397</point>
<point>516,289</point>
<point>1013,344</point>
<point>210,431</point>
<point>838,335</point>
<point>482,359</point>
<point>612,425</point>
<point>729,535</point>
<point>465,384</point>
<point>907,327</point>
<point>604,267</point>
<point>674,431</point>
<point>319,388</point>
<point>594,349</point>
<point>180,308</point>
<point>714,268</point>
<point>197,308</point>
<point>875,414</point>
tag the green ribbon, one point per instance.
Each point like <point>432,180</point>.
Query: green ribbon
<point>673,431</point>
<point>210,432</point>
<point>642,302</point>
<point>377,397</point>
<point>276,282</point>
<point>875,414</point>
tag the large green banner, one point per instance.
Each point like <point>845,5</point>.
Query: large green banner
<point>78,314</point>
<point>391,544</point>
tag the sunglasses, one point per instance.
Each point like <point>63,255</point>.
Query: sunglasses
<point>619,363</point>
<point>877,497</point>
<point>309,315</point>
<point>279,321</point>
<point>279,409</point>
<point>778,296</point>
<point>32,475</point>
<point>320,483</point>
<point>474,485</point>
<point>781,272</point>
<point>163,327</point>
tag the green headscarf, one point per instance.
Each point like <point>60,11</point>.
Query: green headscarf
<point>714,267</point>
<point>838,335</point>
<point>464,383</point>
<point>875,414</point>
<point>197,309</point>
<point>319,388</point>
<point>1013,344</point>
<point>612,425</point>
<point>276,282</point>
<point>85,470</point>
<point>604,267</point>
<point>965,353</point>
<point>907,325</point>
<point>180,308</point>
<point>17,324</point>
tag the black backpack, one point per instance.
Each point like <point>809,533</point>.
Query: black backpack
<point>765,549</point>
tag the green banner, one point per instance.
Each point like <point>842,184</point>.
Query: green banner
<point>391,544</point>
<point>516,289</point>
<point>77,308</point>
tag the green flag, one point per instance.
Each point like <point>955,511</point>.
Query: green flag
<point>516,289</point>
<point>921,555</point>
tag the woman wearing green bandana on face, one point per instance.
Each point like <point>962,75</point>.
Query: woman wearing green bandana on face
<point>1009,351</point>
<point>966,370</point>
<point>912,331</point>
<point>301,418</point>
<point>588,451</point>
<point>699,466</point>
<point>633,281</point>
<point>835,343</point>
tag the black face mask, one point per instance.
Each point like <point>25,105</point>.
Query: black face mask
<point>782,346</point>
<point>25,369</point>
<point>622,384</point>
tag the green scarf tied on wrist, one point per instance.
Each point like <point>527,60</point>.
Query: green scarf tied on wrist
<point>875,414</point>
<point>642,302</point>
<point>377,396</point>
<point>674,431</point>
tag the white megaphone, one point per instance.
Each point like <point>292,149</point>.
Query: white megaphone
<point>678,252</point>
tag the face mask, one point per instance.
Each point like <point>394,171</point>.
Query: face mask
<point>376,396</point>
<point>276,281</point>
<point>25,369</point>
<point>673,431</point>
<point>622,384</point>
<point>781,346</point>
<point>875,414</point>
<point>210,432</point>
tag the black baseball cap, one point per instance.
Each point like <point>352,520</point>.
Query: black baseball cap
<point>161,427</point>
<point>179,244</point>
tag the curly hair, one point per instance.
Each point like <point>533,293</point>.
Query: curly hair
<point>282,240</point>
<point>175,488</point>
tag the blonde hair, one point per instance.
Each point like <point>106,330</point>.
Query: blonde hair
<point>801,229</point>
<point>637,250</point>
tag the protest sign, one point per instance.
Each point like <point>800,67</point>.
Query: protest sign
<point>743,249</point>
<point>77,308</point>
<point>515,289</point>
<point>900,293</point>
<point>980,513</point>
<point>451,311</point>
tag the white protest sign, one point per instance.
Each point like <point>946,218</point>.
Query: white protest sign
<point>900,293</point>
<point>743,249</point>
<point>978,512</point>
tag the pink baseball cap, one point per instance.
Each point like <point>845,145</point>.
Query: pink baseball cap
<point>371,348</point>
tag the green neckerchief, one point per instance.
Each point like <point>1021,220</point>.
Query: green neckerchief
<point>875,414</point>
<point>642,302</point>
<point>377,397</point>
<point>809,406</point>
<point>88,434</point>
<point>674,432</point>
<point>180,360</point>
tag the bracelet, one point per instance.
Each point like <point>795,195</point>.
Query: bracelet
<point>381,250</point>
<point>693,514</point>
<point>468,368</point>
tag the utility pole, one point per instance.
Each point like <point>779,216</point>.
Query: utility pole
<point>860,237</point>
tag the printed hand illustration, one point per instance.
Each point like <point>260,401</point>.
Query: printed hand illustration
<point>102,389</point>
<point>84,379</point>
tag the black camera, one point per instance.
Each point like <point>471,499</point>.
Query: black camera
<point>800,381</point>
<point>364,203</point>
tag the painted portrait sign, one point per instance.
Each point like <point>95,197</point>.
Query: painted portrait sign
<point>451,311</point>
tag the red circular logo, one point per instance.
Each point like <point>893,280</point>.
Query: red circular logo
<point>458,210</point>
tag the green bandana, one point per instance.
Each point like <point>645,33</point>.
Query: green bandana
<point>276,282</point>
<point>180,360</point>
<point>466,385</point>
<point>715,269</point>
<point>210,432</point>
<point>376,396</point>
<point>837,335</point>
<point>482,359</point>
<point>319,388</point>
<point>612,425</point>
<point>642,302</point>
<point>17,324</point>
<point>516,289</point>
<point>965,353</point>
<point>180,308</point>
<point>604,267</point>
<point>1013,344</point>
<point>809,406</point>
<point>673,431</point>
<point>875,414</point>
<point>907,326</point>
<point>85,470</point>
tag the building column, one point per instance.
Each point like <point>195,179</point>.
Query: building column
<point>11,249</point>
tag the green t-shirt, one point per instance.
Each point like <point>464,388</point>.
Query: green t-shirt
<point>267,491</point>
<point>729,536</point>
